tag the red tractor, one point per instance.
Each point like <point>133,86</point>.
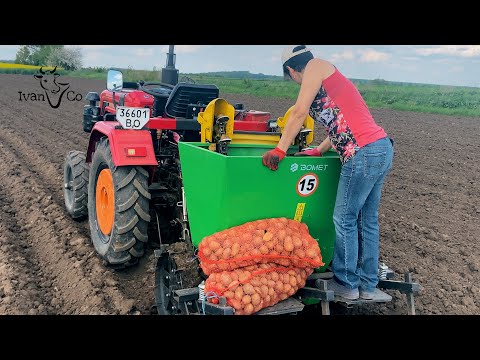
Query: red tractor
<point>129,180</point>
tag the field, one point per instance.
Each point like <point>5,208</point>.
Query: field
<point>429,215</point>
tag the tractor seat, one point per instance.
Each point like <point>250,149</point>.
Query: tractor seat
<point>161,91</point>
<point>130,85</point>
<point>185,94</point>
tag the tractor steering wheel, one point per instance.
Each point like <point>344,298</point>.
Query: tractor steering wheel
<point>141,86</point>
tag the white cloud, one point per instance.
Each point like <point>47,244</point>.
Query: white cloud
<point>363,55</point>
<point>370,55</point>
<point>276,59</point>
<point>143,51</point>
<point>344,55</point>
<point>454,50</point>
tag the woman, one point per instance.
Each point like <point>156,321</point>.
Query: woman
<point>366,154</point>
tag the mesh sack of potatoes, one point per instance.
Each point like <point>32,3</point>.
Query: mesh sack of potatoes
<point>281,241</point>
<point>255,287</point>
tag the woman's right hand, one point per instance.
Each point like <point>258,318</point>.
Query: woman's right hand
<point>309,152</point>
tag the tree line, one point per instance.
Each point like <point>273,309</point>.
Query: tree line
<point>69,58</point>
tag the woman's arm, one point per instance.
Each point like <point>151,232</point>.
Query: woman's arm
<point>324,146</point>
<point>315,71</point>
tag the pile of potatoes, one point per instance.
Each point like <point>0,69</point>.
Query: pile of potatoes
<point>259,263</point>
<point>254,287</point>
<point>281,241</point>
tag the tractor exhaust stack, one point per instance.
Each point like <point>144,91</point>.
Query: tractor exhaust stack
<point>169,72</point>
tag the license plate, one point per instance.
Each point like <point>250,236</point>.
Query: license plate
<point>132,118</point>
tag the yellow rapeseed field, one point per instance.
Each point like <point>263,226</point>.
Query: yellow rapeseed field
<point>23,66</point>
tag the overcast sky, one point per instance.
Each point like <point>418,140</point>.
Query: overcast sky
<point>430,64</point>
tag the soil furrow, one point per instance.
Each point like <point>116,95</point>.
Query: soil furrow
<point>81,284</point>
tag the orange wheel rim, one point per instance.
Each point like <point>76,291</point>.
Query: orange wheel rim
<point>104,201</point>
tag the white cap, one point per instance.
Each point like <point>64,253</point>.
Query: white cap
<point>288,52</point>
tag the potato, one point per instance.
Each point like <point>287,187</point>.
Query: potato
<point>311,253</point>
<point>300,253</point>
<point>239,293</point>
<point>235,249</point>
<point>248,289</point>
<point>263,249</point>
<point>247,299</point>
<point>284,262</point>
<point>261,224</point>
<point>236,304</point>
<point>287,287</point>
<point>306,243</point>
<point>243,276</point>
<point>225,279</point>
<point>219,253</point>
<point>257,241</point>
<point>270,245</point>
<point>227,243</point>
<point>264,290</point>
<point>293,281</point>
<point>214,245</point>
<point>256,299</point>
<point>223,266</point>
<point>268,236</point>
<point>288,244</point>
<point>279,286</point>
<point>229,294</point>
<point>246,237</point>
<point>248,309</point>
<point>297,242</point>
<point>226,254</point>
<point>206,251</point>
<point>255,281</point>
<point>281,234</point>
<point>243,263</point>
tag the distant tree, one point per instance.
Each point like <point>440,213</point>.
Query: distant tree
<point>67,58</point>
<point>23,55</point>
<point>35,54</point>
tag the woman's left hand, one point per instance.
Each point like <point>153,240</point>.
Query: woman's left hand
<point>271,158</point>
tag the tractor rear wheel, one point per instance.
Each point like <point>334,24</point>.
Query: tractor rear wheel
<point>118,207</point>
<point>75,179</point>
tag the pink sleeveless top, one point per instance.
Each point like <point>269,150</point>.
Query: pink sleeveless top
<point>342,110</point>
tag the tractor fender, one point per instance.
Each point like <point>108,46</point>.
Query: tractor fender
<point>128,147</point>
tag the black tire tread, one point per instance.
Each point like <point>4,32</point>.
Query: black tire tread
<point>80,170</point>
<point>129,234</point>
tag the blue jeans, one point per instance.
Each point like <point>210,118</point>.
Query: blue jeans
<point>355,257</point>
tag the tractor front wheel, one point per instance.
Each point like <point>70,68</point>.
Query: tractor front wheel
<point>118,207</point>
<point>75,180</point>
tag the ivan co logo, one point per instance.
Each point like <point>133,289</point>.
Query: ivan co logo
<point>53,90</point>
